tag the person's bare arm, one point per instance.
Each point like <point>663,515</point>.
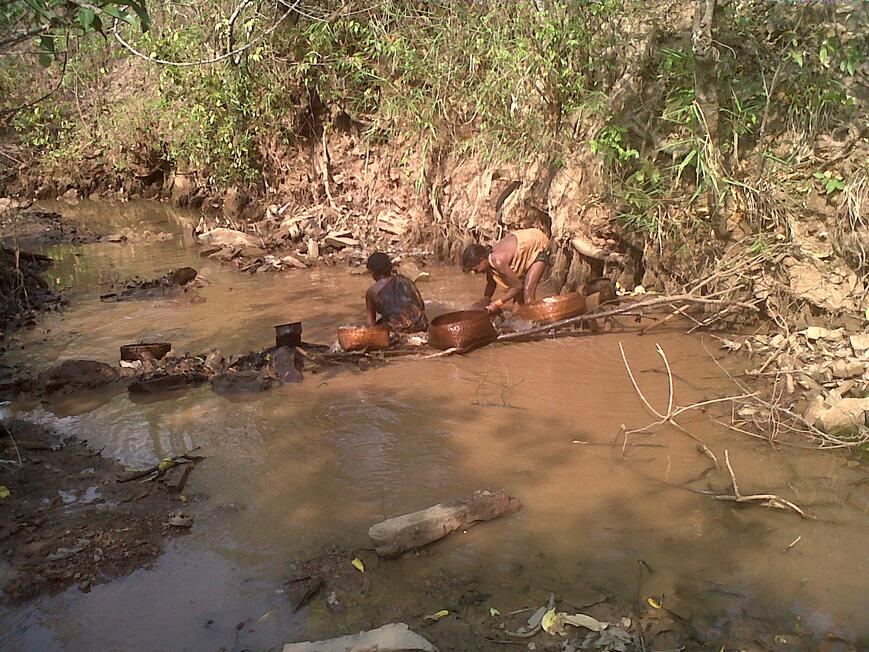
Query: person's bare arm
<point>516,285</point>
<point>487,293</point>
<point>369,307</point>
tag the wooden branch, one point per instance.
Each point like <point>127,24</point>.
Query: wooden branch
<point>767,500</point>
<point>637,387</point>
<point>629,309</point>
<point>135,475</point>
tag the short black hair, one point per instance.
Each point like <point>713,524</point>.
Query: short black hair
<point>472,255</point>
<point>379,263</point>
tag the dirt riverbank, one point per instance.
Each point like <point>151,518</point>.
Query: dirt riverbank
<point>68,521</point>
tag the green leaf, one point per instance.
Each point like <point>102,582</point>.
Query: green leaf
<point>46,55</point>
<point>685,163</point>
<point>833,185</point>
<point>142,13</point>
<point>86,17</point>
<point>824,56</point>
<point>112,11</point>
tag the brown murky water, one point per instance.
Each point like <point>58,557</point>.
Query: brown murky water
<point>311,466</point>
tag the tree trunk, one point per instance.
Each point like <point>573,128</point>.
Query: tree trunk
<point>706,93</point>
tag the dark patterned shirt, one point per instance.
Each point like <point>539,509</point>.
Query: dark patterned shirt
<point>401,305</point>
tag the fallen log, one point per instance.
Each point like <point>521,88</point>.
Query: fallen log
<point>636,308</point>
<point>395,536</point>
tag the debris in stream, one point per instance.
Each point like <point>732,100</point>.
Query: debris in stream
<point>33,226</point>
<point>180,519</point>
<point>23,291</point>
<point>174,283</point>
<point>286,240</point>
<point>146,351</point>
<point>253,372</point>
<point>130,235</point>
<point>330,572</point>
<point>73,375</point>
<point>242,382</point>
<point>67,522</point>
<point>158,471</point>
<point>819,379</point>
<point>395,536</point>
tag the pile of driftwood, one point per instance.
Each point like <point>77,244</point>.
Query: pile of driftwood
<point>22,288</point>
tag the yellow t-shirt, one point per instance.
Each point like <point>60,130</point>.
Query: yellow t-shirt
<point>530,243</point>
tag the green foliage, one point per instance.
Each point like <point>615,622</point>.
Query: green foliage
<point>830,182</point>
<point>44,126</point>
<point>54,22</point>
<point>789,78</point>
<point>503,71</point>
<point>497,80</point>
<point>501,81</point>
<point>609,143</point>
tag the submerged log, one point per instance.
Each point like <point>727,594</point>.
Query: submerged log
<point>397,535</point>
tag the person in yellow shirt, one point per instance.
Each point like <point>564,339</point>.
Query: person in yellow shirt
<point>516,264</point>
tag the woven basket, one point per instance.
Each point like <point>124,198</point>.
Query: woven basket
<point>359,338</point>
<point>550,309</point>
<point>461,330</point>
<point>153,351</point>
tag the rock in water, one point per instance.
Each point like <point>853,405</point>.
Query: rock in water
<point>223,236</point>
<point>842,417</point>
<point>396,535</point>
<point>389,638</point>
<point>78,374</point>
<point>182,276</point>
<point>241,382</point>
<point>287,365</point>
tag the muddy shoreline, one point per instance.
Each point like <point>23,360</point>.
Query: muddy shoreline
<point>68,521</point>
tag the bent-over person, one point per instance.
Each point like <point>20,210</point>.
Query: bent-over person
<point>516,264</point>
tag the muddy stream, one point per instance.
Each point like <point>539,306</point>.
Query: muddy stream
<point>304,468</point>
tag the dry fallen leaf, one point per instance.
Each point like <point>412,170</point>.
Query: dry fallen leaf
<point>551,622</point>
<point>358,565</point>
<point>581,620</point>
<point>443,613</point>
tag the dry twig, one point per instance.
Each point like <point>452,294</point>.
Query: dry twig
<point>766,500</point>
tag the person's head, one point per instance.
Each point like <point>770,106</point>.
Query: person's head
<point>379,265</point>
<point>475,258</point>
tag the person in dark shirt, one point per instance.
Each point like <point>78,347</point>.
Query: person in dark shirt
<point>394,297</point>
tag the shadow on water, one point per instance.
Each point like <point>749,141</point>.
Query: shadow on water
<point>309,468</point>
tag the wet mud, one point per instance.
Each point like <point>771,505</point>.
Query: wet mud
<point>68,521</point>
